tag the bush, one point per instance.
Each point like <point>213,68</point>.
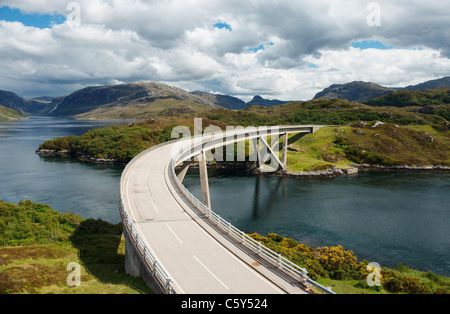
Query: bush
<point>397,283</point>
<point>31,223</point>
<point>333,262</point>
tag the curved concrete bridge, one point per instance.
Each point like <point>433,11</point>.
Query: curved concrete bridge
<point>178,245</point>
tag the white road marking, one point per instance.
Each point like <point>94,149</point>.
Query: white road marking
<point>148,190</point>
<point>211,273</point>
<point>181,242</point>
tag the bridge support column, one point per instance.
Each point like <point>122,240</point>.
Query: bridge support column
<point>136,267</point>
<point>257,152</point>
<point>184,170</point>
<point>276,159</point>
<point>204,183</point>
<point>284,153</point>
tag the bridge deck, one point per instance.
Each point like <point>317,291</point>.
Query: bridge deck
<point>198,258</point>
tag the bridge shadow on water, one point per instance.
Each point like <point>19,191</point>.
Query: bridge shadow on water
<point>101,250</point>
<point>264,199</point>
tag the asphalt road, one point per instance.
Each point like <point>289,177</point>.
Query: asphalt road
<point>192,255</point>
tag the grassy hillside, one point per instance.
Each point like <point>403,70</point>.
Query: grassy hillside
<point>320,112</point>
<point>37,243</point>
<point>404,138</point>
<point>433,101</point>
<point>120,143</point>
<point>8,113</point>
<point>370,143</point>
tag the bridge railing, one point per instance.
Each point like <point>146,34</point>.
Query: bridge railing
<point>276,259</point>
<point>150,259</point>
<point>147,256</point>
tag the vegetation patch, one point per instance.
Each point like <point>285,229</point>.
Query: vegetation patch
<point>37,244</point>
<point>377,143</point>
<point>8,113</point>
<point>340,269</point>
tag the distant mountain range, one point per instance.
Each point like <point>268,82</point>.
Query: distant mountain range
<point>363,91</point>
<point>146,100</point>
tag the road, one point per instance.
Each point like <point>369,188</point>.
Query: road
<point>199,260</point>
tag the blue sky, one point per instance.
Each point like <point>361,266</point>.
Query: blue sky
<point>33,20</point>
<point>370,44</point>
<point>221,25</point>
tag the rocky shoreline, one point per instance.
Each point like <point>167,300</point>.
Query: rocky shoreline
<point>80,156</point>
<point>250,167</point>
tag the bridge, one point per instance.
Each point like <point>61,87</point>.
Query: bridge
<point>178,245</point>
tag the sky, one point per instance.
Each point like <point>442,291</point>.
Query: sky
<point>287,50</point>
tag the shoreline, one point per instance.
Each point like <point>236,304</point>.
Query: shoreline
<point>250,167</point>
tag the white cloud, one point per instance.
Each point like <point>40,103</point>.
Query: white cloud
<point>175,41</point>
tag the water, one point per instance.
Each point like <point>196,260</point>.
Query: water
<point>384,217</point>
<point>64,183</point>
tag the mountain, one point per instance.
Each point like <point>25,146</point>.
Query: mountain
<point>355,91</point>
<point>225,101</point>
<point>129,101</point>
<point>143,101</point>
<point>363,91</point>
<point>13,101</point>
<point>259,101</point>
<point>22,105</point>
<point>442,82</point>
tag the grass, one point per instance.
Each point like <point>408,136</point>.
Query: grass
<point>8,113</point>
<point>38,265</point>
<point>369,143</point>
<point>316,151</point>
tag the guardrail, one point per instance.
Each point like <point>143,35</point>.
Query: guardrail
<point>148,257</point>
<point>152,263</point>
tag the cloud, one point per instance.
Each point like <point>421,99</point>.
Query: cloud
<point>215,45</point>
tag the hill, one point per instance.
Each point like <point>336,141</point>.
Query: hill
<point>224,101</point>
<point>363,91</point>
<point>442,82</point>
<point>125,142</point>
<point>432,101</point>
<point>321,112</point>
<point>354,91</point>
<point>259,101</point>
<point>8,113</point>
<point>128,101</point>
<point>22,105</point>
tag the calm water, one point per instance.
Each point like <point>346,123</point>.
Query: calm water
<point>64,183</point>
<point>384,217</point>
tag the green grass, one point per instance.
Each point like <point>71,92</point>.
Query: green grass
<point>8,113</point>
<point>362,143</point>
<point>317,151</point>
<point>39,243</point>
